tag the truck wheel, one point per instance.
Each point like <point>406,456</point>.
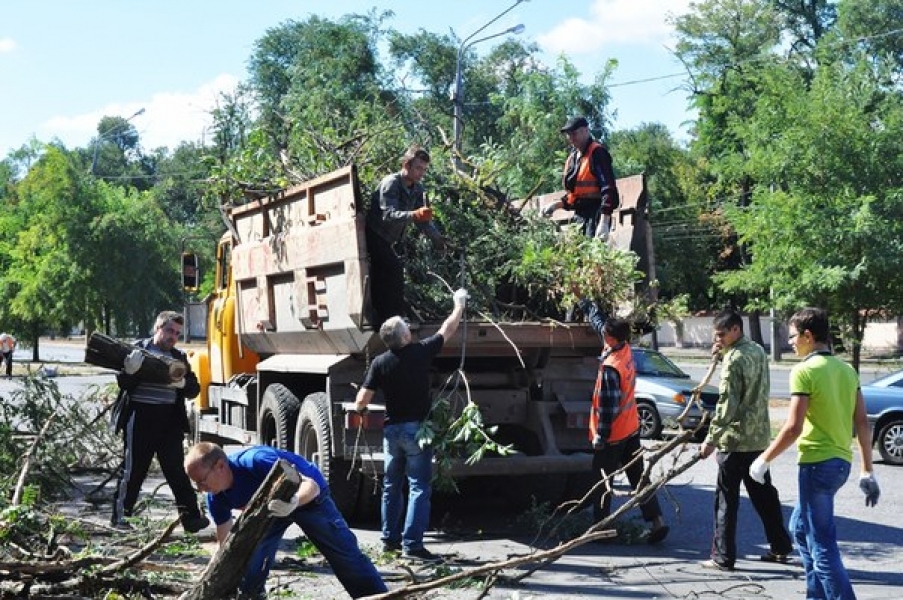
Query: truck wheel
<point>276,421</point>
<point>313,441</point>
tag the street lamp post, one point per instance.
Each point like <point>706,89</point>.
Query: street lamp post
<point>458,97</point>
<point>109,132</point>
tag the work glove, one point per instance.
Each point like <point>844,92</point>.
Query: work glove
<point>178,383</point>
<point>603,228</point>
<point>423,214</point>
<point>461,297</point>
<point>549,209</point>
<point>758,469</point>
<point>132,362</point>
<point>598,442</point>
<point>869,486</point>
<point>283,508</point>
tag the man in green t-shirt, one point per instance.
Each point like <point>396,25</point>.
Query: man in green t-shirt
<point>825,406</point>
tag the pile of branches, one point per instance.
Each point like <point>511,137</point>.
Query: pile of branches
<point>515,264</point>
<point>50,445</point>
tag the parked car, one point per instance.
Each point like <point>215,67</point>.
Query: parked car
<point>662,393</point>
<point>884,405</point>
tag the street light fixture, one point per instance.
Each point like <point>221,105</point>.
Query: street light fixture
<point>109,132</point>
<point>458,97</point>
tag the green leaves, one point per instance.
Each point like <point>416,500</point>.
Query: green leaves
<point>455,430</point>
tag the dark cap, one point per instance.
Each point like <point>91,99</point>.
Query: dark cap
<point>574,123</point>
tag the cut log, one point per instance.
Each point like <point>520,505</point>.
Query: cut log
<point>105,351</point>
<point>226,569</point>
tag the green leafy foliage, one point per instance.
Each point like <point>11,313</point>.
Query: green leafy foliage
<point>455,430</point>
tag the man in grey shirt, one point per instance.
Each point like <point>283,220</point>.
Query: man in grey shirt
<point>399,200</point>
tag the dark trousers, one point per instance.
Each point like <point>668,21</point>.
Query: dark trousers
<point>588,213</point>
<point>610,459</point>
<point>153,430</point>
<point>386,279</point>
<point>733,468</point>
<point>8,359</point>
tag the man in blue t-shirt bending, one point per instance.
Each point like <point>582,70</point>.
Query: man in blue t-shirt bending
<point>231,481</point>
<point>403,375</point>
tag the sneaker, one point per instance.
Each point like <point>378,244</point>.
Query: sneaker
<point>714,564</point>
<point>391,547</point>
<point>422,554</point>
<point>194,523</point>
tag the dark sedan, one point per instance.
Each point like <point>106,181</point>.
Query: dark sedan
<point>662,393</point>
<point>884,405</point>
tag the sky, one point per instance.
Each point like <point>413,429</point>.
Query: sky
<point>66,64</point>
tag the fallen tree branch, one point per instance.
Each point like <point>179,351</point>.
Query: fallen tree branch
<point>543,558</point>
<point>26,460</point>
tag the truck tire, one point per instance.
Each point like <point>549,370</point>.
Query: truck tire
<point>313,441</point>
<point>278,411</point>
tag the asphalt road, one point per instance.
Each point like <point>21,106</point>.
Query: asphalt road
<point>870,539</point>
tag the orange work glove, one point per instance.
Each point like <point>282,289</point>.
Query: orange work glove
<point>423,214</point>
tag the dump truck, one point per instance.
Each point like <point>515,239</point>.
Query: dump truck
<point>289,340</point>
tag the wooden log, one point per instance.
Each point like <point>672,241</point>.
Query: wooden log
<point>108,352</point>
<point>227,567</point>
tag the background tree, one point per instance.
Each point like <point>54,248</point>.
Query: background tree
<point>826,227</point>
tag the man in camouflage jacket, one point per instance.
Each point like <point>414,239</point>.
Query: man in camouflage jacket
<point>739,431</point>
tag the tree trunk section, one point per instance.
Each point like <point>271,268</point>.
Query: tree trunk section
<point>226,569</point>
<point>105,351</point>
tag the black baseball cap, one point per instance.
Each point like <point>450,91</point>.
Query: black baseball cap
<point>574,123</point>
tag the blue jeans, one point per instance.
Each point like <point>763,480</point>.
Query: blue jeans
<point>812,524</point>
<point>326,529</point>
<point>405,458</point>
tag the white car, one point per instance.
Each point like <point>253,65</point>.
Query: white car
<point>662,393</point>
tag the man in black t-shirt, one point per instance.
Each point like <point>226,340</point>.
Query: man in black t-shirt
<point>403,375</point>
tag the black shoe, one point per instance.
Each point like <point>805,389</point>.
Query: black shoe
<point>194,523</point>
<point>775,558</point>
<point>422,554</point>
<point>391,547</point>
<point>658,534</point>
<point>121,525</point>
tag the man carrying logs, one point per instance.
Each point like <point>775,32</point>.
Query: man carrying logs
<point>154,423</point>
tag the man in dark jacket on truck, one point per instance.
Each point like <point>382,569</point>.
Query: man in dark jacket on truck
<point>154,423</point>
<point>399,200</point>
<point>589,181</point>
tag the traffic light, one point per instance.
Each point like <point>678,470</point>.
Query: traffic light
<point>191,274</point>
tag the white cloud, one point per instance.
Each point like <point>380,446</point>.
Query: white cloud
<point>7,45</point>
<point>169,118</point>
<point>614,22</point>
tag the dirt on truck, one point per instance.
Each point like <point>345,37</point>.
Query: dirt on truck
<point>289,339</point>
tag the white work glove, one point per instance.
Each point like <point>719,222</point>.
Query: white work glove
<point>758,469</point>
<point>869,486</point>
<point>461,297</point>
<point>603,228</point>
<point>178,384</point>
<point>549,209</point>
<point>283,508</point>
<point>132,362</point>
